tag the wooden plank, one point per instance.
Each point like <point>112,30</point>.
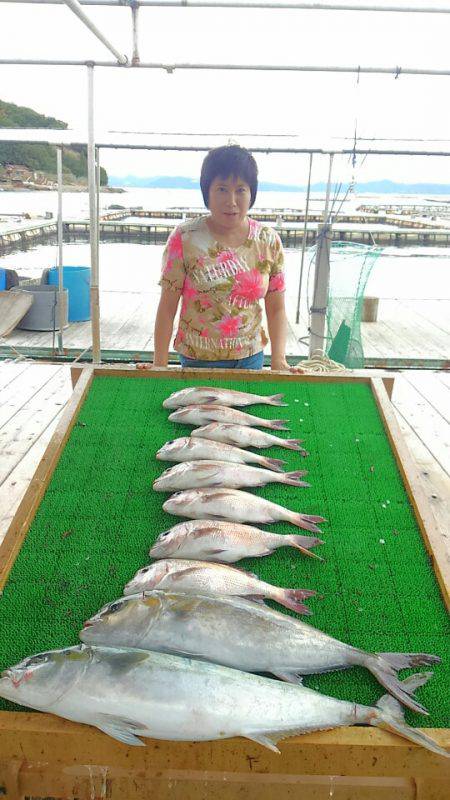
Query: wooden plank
<point>36,489</point>
<point>26,385</point>
<point>17,438</point>
<point>429,529</point>
<point>433,430</point>
<point>10,371</point>
<point>432,390</point>
<point>370,752</point>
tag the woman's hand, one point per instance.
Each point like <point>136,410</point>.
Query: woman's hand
<point>281,365</point>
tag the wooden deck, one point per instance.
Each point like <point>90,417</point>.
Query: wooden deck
<point>33,395</point>
<point>417,330</point>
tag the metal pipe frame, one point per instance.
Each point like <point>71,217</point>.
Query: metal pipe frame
<point>93,224</point>
<point>170,68</point>
<point>311,6</point>
<point>75,6</point>
<point>59,152</point>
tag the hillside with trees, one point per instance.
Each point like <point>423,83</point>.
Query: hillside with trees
<point>42,157</point>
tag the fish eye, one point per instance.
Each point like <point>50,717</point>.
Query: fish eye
<point>163,534</point>
<point>115,607</point>
<point>170,442</point>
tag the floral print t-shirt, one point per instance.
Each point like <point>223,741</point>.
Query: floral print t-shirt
<point>220,315</point>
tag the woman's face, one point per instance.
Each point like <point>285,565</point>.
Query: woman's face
<point>229,201</point>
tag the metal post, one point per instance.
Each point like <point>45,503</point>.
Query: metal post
<point>97,197</point>
<point>61,304</point>
<point>93,219</point>
<point>135,21</point>
<point>305,233</point>
<point>318,309</point>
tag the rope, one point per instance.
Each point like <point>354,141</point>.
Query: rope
<point>320,363</point>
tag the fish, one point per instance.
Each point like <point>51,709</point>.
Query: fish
<point>212,395</point>
<point>235,506</point>
<point>200,414</point>
<point>215,540</point>
<point>130,693</point>
<point>215,629</point>
<point>189,449</point>
<point>245,436</point>
<point>193,474</point>
<point>203,577</point>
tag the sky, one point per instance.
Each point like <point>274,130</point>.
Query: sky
<point>316,106</point>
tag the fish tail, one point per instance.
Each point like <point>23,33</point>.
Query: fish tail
<point>273,463</point>
<point>294,444</point>
<point>389,715</point>
<point>277,424</point>
<point>291,598</point>
<point>306,521</point>
<point>385,665</point>
<point>304,543</point>
<point>276,400</point>
<point>293,478</point>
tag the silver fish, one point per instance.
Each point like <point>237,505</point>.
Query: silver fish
<point>189,449</point>
<point>193,474</point>
<point>201,577</point>
<point>215,540</point>
<point>216,628</point>
<point>245,436</point>
<point>221,397</point>
<point>236,506</point>
<point>128,693</point>
<point>199,415</point>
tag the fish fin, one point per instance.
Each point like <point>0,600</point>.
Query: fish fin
<point>304,543</point>
<point>290,598</point>
<point>389,715</point>
<point>289,677</point>
<point>121,729</point>
<point>384,667</point>
<point>254,598</point>
<point>263,739</point>
<point>209,400</point>
<point>274,463</point>
<point>293,478</point>
<point>215,552</point>
<point>271,738</point>
<point>306,521</point>
<point>276,400</point>
<point>181,573</point>
<point>293,444</point>
<point>278,424</point>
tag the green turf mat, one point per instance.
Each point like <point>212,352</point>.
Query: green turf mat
<point>99,516</point>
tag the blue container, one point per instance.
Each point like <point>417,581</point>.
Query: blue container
<point>2,280</point>
<point>78,281</point>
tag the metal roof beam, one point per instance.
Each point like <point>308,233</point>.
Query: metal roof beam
<point>396,71</point>
<point>75,6</point>
<point>311,6</point>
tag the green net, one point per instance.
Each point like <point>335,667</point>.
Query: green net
<point>350,267</point>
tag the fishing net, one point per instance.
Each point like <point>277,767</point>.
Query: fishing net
<point>350,267</point>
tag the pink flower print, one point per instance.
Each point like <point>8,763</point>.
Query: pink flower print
<point>201,261</point>
<point>179,337</point>
<point>229,325</point>
<point>205,302</point>
<point>204,332</point>
<point>253,228</point>
<point>277,283</point>
<point>224,256</point>
<point>248,287</point>
<point>189,291</point>
<point>174,250</point>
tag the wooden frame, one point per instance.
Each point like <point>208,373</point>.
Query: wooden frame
<point>45,755</point>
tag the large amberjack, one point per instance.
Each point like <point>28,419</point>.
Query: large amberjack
<point>239,633</point>
<point>128,693</point>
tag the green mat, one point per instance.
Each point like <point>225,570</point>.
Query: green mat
<point>99,516</point>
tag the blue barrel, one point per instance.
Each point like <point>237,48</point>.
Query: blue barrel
<point>2,280</point>
<point>78,282</point>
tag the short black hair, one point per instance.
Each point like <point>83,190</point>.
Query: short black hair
<point>222,162</point>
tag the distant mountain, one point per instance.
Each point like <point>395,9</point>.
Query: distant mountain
<point>41,157</point>
<point>372,187</point>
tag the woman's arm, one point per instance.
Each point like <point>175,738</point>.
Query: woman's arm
<point>277,325</point>
<point>165,316</point>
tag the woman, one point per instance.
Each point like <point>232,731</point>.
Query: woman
<point>220,266</point>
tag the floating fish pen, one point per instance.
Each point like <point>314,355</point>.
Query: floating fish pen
<point>86,524</point>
